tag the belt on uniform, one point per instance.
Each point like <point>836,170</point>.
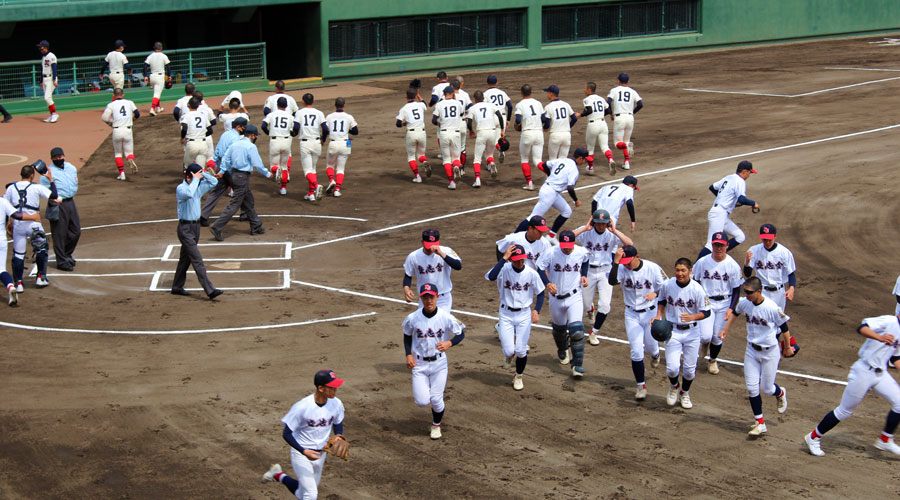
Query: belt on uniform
<point>761,347</point>
<point>686,326</point>
<point>316,139</point>
<point>66,200</point>
<point>197,139</point>
<point>643,310</point>
<point>415,130</point>
<point>116,72</point>
<point>619,114</point>
<point>718,297</point>
<point>159,74</point>
<point>431,358</point>
<point>450,130</point>
<point>566,296</point>
<point>183,221</point>
<point>511,309</point>
<point>874,369</point>
<point>773,288</point>
<point>123,126</point>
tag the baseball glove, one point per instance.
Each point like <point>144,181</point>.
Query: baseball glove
<point>169,83</point>
<point>338,446</point>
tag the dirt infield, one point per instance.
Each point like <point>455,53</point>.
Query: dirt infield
<point>197,415</point>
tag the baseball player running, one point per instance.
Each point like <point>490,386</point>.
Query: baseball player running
<point>463,97</point>
<point>448,115</point>
<point>313,134</point>
<point>500,100</point>
<point>157,74</point>
<point>412,116</point>
<point>234,112</point>
<point>307,428</point>
<point>8,213</point>
<point>341,126</point>
<point>562,174</point>
<point>684,303</point>
<point>720,276</point>
<point>765,323</point>
<point>897,295</point>
<point>566,267</point>
<point>211,116</point>
<point>427,335</point>
<point>272,101</point>
<point>117,64</point>
<point>596,109</point>
<point>561,117</point>
<point>120,115</point>
<point>195,128</point>
<point>280,126</point>
<point>517,284</point>
<point>531,239</point>
<point>612,197</point>
<point>7,117</point>
<point>431,264</point>
<point>26,196</point>
<point>49,79</point>
<point>730,191</point>
<point>181,105</point>
<point>601,239</point>
<point>881,349</point>
<point>437,92</point>
<point>486,124</point>
<point>530,121</point>
<point>774,265</point>
<point>625,103</point>
<point>641,281</point>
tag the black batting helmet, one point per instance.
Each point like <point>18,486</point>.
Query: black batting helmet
<point>661,330</point>
<point>503,143</point>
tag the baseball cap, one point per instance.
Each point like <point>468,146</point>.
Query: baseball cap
<point>518,253</point>
<point>56,151</point>
<point>43,43</point>
<point>239,122</point>
<point>767,232</point>
<point>566,239</point>
<point>719,238</point>
<point>118,43</point>
<point>745,165</point>
<point>428,288</point>
<point>632,181</point>
<point>579,152</point>
<point>251,129</point>
<point>601,216</point>
<point>492,79</point>
<point>623,77</point>
<point>193,168</point>
<point>281,102</point>
<point>629,255</point>
<point>538,223</point>
<point>431,238</point>
<point>327,378</point>
<point>553,88</point>
<point>449,89</point>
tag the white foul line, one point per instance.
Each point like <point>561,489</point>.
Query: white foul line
<point>796,95</point>
<point>543,327</point>
<point>236,216</point>
<point>868,69</point>
<point>182,332</point>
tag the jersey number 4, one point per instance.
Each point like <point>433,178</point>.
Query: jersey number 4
<point>122,111</point>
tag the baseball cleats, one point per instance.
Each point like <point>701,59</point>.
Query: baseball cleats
<point>427,168</point>
<point>686,401</point>
<point>518,384</point>
<point>713,367</point>
<point>492,167</point>
<point>457,173</point>
<point>160,109</point>
<point>152,111</point>
<point>47,120</point>
<point>180,291</point>
<point>477,183</point>
<point>417,179</point>
<point>641,392</point>
<point>320,191</point>
<point>337,193</point>
<point>54,118</point>
<point>529,186</point>
<point>672,396</point>
<point>282,191</point>
<point>41,281</point>
<point>589,170</point>
<point>577,371</point>
<point>452,185</point>
<point>592,338</point>
<point>612,167</point>
<point>20,287</point>
<point>758,429</point>
<point>782,401</point>
<point>502,156</point>
<point>13,296</point>
<point>121,176</point>
<point>564,357</point>
<point>631,149</point>
<point>626,165</point>
<point>132,165</point>
<point>270,474</point>
<point>654,360</point>
<point>331,186</point>
<point>815,445</point>
<point>230,192</point>
<point>215,293</point>
<point>435,431</point>
<point>7,119</point>
<point>888,445</point>
<point>309,197</point>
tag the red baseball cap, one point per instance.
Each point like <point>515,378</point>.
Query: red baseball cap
<point>431,238</point>
<point>518,253</point>
<point>327,378</point>
<point>427,289</point>
<point>767,232</point>
<point>566,239</point>
<point>538,223</point>
<point>745,165</point>
<point>719,238</point>
<point>629,255</point>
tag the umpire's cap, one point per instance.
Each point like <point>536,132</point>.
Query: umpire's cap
<point>57,151</point>
<point>661,330</point>
<point>239,122</point>
<point>251,129</point>
<point>193,168</point>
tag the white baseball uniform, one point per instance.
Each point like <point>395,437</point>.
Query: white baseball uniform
<point>280,124</point>
<point>272,102</point>
<point>429,376</point>
<point>117,62</point>
<point>564,271</point>
<point>47,79</point>
<point>531,142</point>
<point>432,269</point>
<point>339,124</point>
<point>517,290</point>
<point>438,90</point>
<point>157,62</point>
<point>499,99</point>
<point>311,426</point>
<point>195,148</point>
<point>685,339</point>
<point>119,114</point>
<point>719,279</point>
<point>450,114</point>
<point>624,100</point>
<point>560,138</point>
<point>211,116</point>
<point>228,119</point>
<point>29,204</point>
<point>563,174</point>
<point>602,248</point>
<point>182,105</point>
<point>612,197</point>
<point>730,188</point>
<point>647,278</point>
<point>412,114</point>
<point>897,295</point>
<point>772,267</point>
<point>486,126</point>
<point>310,120</point>
<point>463,97</point>
<point>533,249</point>
<point>236,94</point>
<point>763,352</point>
<point>597,131</point>
<point>6,210</point>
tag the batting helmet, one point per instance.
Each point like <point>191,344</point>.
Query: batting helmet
<point>504,144</point>
<point>661,330</point>
<point>169,83</point>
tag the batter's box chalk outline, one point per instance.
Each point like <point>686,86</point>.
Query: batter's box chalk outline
<point>286,255</point>
<point>285,281</point>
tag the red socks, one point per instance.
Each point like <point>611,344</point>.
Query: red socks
<point>154,103</point>
<point>462,158</point>
<point>609,154</point>
<point>590,160</point>
<point>120,164</point>
<point>448,170</point>
<point>490,159</point>
<point>52,108</point>
<point>414,167</point>
<point>313,182</point>
<point>526,171</point>
<point>477,167</point>
<point>284,178</point>
<point>211,164</point>
<point>289,162</point>
<point>340,181</point>
<point>422,159</point>
<point>330,173</point>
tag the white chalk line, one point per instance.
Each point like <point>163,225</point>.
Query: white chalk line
<point>235,217</point>
<point>796,95</point>
<point>591,186</point>
<point>543,327</point>
<point>183,332</point>
<point>16,159</point>
<point>867,69</point>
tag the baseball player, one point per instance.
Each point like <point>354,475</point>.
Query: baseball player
<point>49,78</point>
<point>517,284</point>
<point>225,182</point>
<point>433,264</point>
<point>774,265</point>
<point>486,124</point>
<point>7,117</point>
<point>195,128</point>
<point>307,429</point>
<point>601,239</point>
<point>641,280</point>
<point>313,134</point>
<point>341,126</point>
<point>765,323</point>
<point>280,126</point>
<point>531,239</point>
<point>157,74</point>
<point>730,191</point>
<point>181,105</point>
<point>120,115</point>
<point>195,183</point>
<point>427,335</point>
<point>596,109</point>
<point>437,92</point>
<point>463,97</point>
<point>684,303</point>
<point>241,158</point>
<point>566,267</point>
<point>412,116</point>
<point>720,276</point>
<point>9,213</point>
<point>448,115</point>
<point>880,350</point>
<point>625,103</point>
<point>562,174</point>
<point>561,117</point>
<point>500,100</point>
<point>26,196</point>
<point>613,196</point>
<point>530,121</point>
<point>211,116</point>
<point>897,295</point>
<point>117,64</point>
<point>234,112</point>
<point>234,94</point>
<point>272,101</point>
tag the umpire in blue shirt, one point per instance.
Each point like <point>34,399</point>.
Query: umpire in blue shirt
<point>62,212</point>
<point>196,183</point>
<point>240,159</point>
<point>227,139</point>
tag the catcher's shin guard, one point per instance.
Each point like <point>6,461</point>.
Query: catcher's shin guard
<point>576,340</point>
<point>560,337</point>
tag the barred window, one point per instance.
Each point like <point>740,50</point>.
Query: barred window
<point>405,36</point>
<point>606,21</point>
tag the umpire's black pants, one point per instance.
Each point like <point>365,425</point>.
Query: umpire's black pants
<point>242,199</point>
<point>188,235</point>
<point>66,232</point>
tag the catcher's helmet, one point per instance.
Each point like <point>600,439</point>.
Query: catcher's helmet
<point>504,144</point>
<point>661,330</point>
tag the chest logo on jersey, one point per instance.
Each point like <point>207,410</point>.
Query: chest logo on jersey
<point>516,286</point>
<point>597,247</point>
<point>533,256</point>
<point>690,303</point>
<point>769,265</point>
<point>429,333</point>
<point>715,276</point>
<point>429,269</point>
<point>637,284</point>
<point>576,267</point>
<point>753,320</point>
<point>322,422</point>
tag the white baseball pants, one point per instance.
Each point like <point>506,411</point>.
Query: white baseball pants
<point>415,143</point>
<point>444,301</point>
<point>685,342</point>
<point>760,368</point>
<point>48,90</point>
<point>558,145</point>
<point>862,378</point>
<point>711,326</point>
<point>531,146</point>
<point>515,330</point>
<point>637,328</point>
<point>720,221</point>
<point>463,132</point>
<point>309,473</point>
<point>123,141</point>
<point>597,133</point>
<point>598,282</point>
<point>567,310</point>
<point>158,82</point>
<point>429,378</point>
<point>310,151</point>
<point>210,149</point>
<point>117,79</point>
<point>450,145</point>
<point>548,197</point>
<point>337,155</point>
<point>279,152</point>
<point>623,126</point>
<point>485,145</point>
<point>21,233</point>
<point>195,151</point>
<point>777,296</point>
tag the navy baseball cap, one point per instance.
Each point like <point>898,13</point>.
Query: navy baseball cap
<point>281,102</point>
<point>629,255</point>
<point>767,232</point>
<point>431,238</point>
<point>552,89</point>
<point>720,238</point>
<point>43,43</point>
<point>251,129</point>
<point>118,43</point>
<point>193,168</point>
<point>631,181</point>
<point>601,216</point>
<point>745,165</point>
<point>538,223</point>
<point>492,79</point>
<point>518,253</point>
<point>623,77</point>
<point>428,288</point>
<point>56,151</point>
<point>239,122</point>
<point>566,239</point>
<point>580,152</point>
<point>327,378</point>
<point>449,89</point>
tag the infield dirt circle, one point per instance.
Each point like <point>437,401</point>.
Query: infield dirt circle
<point>197,415</point>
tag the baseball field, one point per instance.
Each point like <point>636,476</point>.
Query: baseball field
<point>110,387</point>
